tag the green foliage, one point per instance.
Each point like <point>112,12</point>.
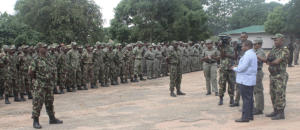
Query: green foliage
<point>159,20</point>
<point>62,20</point>
<point>13,31</point>
<point>293,18</point>
<point>255,15</point>
<point>276,21</point>
<point>220,11</point>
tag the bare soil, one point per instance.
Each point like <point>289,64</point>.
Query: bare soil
<point>148,106</point>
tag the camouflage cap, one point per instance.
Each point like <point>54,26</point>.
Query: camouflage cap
<point>258,40</point>
<point>98,43</point>
<point>73,43</point>
<point>208,41</point>
<point>68,46</point>
<point>12,47</point>
<point>139,42</point>
<point>5,47</point>
<point>278,35</point>
<point>128,45</point>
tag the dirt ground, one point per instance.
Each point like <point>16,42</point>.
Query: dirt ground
<point>148,106</point>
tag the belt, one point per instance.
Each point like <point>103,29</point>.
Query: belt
<point>259,69</point>
<point>210,62</point>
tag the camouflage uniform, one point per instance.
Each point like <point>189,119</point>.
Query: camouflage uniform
<point>210,69</point>
<point>174,69</point>
<point>62,68</point>
<point>138,68</point>
<point>278,77</point>
<point>98,65</point>
<point>88,69</point>
<point>296,52</point>
<point>258,88</point>
<point>164,64</point>
<point>225,72</point>
<point>74,71</point>
<point>13,75</point>
<point>158,62</point>
<point>42,86</point>
<point>108,59</point>
<point>150,56</point>
<point>195,58</point>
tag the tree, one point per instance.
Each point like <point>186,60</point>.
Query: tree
<point>276,21</point>
<point>62,20</point>
<point>159,20</point>
<point>255,15</point>
<point>13,31</point>
<point>293,18</point>
<point>220,11</point>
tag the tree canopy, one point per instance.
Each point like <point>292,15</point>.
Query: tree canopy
<point>62,20</point>
<point>159,20</point>
<point>12,31</point>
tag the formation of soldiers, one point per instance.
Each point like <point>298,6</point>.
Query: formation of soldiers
<point>76,67</point>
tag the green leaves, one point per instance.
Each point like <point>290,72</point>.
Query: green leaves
<point>63,20</point>
<point>159,20</point>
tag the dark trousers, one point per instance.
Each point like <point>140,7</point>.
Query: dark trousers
<point>247,96</point>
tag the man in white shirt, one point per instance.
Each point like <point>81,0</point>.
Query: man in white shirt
<point>246,79</point>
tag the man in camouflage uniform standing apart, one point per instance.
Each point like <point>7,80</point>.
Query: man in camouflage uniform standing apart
<point>175,69</point>
<point>88,68</point>
<point>277,60</point>
<point>225,72</point>
<point>40,71</point>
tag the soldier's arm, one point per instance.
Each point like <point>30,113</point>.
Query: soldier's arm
<point>284,56</point>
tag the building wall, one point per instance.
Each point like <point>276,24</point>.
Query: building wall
<point>267,41</point>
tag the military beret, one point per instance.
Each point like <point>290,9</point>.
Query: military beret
<point>278,35</point>
<point>12,47</point>
<point>258,40</point>
<point>139,42</point>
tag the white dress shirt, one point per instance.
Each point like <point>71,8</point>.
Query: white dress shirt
<point>247,69</point>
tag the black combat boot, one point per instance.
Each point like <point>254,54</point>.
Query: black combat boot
<point>208,93</point>
<point>16,96</point>
<point>68,89</point>
<point>279,116</point>
<point>55,90</point>
<point>79,88</point>
<point>29,95</point>
<point>74,89</point>
<point>142,78</point>
<point>85,88</point>
<point>53,120</point>
<point>6,99</point>
<point>180,93</point>
<point>126,81</point>
<point>231,100</point>
<point>172,94</point>
<point>36,123</point>
<point>135,79</point>
<point>22,97</point>
<point>274,113</point>
<point>221,100</point>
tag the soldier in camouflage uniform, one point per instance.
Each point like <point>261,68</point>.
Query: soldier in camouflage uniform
<point>129,62</point>
<point>109,65</point>
<point>164,64</point>
<point>5,75</point>
<point>13,73</point>
<point>22,72</point>
<point>150,56</point>
<point>62,68</point>
<point>210,57</point>
<point>74,62</point>
<point>40,70</point>
<point>195,57</point>
<point>118,59</point>
<point>175,69</point>
<point>158,61</point>
<point>53,56</point>
<point>80,75</point>
<point>258,88</point>
<point>277,60</point>
<point>98,63</point>
<point>225,72</point>
<point>88,68</point>
<point>138,68</point>
<point>296,52</point>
